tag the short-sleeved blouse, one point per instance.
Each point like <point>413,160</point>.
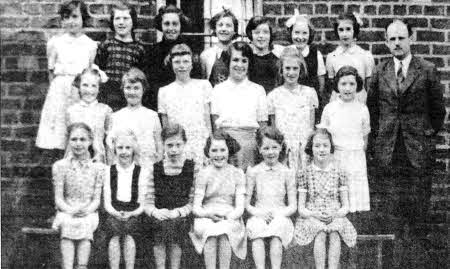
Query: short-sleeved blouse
<point>271,184</point>
<point>145,124</point>
<point>322,187</point>
<point>81,180</point>
<point>348,122</point>
<point>220,186</point>
<point>69,55</point>
<point>354,56</point>
<point>239,105</point>
<point>186,104</point>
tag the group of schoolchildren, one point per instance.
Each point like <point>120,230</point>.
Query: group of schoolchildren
<point>249,144</point>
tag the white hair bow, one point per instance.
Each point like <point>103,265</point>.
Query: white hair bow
<point>358,18</point>
<point>297,18</point>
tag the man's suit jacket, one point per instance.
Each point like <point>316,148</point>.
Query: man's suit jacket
<point>416,110</point>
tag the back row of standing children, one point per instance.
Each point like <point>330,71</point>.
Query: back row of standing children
<point>238,103</point>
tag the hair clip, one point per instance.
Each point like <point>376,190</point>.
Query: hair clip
<point>297,17</point>
<point>358,18</point>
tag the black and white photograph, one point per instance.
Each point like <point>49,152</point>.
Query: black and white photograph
<point>228,134</point>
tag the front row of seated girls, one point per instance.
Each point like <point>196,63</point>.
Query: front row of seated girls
<point>168,191</point>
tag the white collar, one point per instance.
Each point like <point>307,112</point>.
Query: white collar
<point>326,169</point>
<point>84,104</point>
<point>129,169</point>
<point>275,167</point>
<point>305,51</point>
<point>406,61</point>
<point>351,50</point>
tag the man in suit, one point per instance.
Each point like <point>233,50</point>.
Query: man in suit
<point>407,110</point>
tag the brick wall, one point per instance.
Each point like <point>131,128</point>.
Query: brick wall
<point>27,25</point>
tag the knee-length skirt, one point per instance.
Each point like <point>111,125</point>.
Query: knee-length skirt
<point>281,227</point>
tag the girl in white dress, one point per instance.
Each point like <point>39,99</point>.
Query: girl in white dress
<point>219,200</point>
<point>186,101</point>
<point>68,55</point>
<point>292,107</point>
<point>346,28</point>
<point>142,121</point>
<point>349,123</point>
<point>270,183</point>
<point>90,111</point>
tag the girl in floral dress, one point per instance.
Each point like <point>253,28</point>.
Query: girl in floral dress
<point>292,107</point>
<point>78,185</point>
<point>323,203</point>
<point>186,101</point>
<point>219,204</point>
<point>90,111</point>
<point>271,183</point>
<point>68,54</point>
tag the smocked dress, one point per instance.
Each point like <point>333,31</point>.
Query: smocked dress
<point>322,187</point>
<point>97,116</point>
<point>67,56</point>
<point>293,110</point>
<point>116,57</point>
<point>81,181</point>
<point>219,188</point>
<point>271,186</point>
<point>189,105</point>
<point>348,123</point>
<point>173,191</point>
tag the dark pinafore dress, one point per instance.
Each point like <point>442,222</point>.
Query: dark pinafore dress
<point>172,191</point>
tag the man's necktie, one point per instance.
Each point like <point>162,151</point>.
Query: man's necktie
<point>400,77</point>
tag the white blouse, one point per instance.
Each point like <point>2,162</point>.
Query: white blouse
<point>240,105</point>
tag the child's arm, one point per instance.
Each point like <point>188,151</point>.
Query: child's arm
<point>250,189</point>
<point>157,139</point>
<point>149,192</point>
<point>204,71</point>
<point>291,191</point>
<point>321,80</point>
<point>214,118</point>
<point>95,202</point>
<point>302,195</point>
<point>107,196</point>
<point>207,106</point>
<point>58,183</point>
<point>343,192</point>
<point>108,125</point>
<point>239,202</point>
<point>262,109</point>
<point>199,195</point>
<point>51,58</point>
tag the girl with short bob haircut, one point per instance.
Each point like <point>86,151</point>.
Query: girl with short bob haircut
<point>323,202</point>
<point>187,101</point>
<point>219,204</point>
<point>238,105</point>
<point>346,29</point>
<point>259,31</point>
<point>225,27</point>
